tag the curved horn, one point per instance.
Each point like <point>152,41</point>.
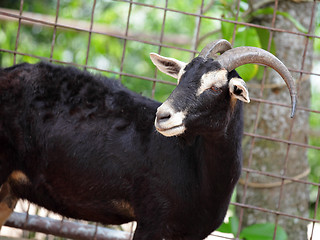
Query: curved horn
<point>218,46</point>
<point>243,55</point>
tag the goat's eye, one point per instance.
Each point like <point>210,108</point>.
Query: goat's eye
<point>216,90</point>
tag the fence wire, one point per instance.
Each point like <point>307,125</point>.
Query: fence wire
<point>64,227</point>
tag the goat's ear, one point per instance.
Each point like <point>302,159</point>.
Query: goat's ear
<point>238,89</point>
<point>169,66</point>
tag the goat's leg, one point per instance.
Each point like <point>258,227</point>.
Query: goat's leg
<point>7,203</point>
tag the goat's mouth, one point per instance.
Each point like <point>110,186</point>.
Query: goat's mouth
<point>171,131</point>
<point>169,122</point>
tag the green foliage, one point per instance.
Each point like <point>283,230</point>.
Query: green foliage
<point>245,36</point>
<point>259,231</point>
<point>105,51</point>
<point>71,46</point>
<point>269,11</point>
<point>313,155</point>
<point>317,32</point>
<point>230,227</point>
<point>314,137</point>
<point>263,231</point>
<point>248,36</point>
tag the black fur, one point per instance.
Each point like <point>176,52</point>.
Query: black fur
<point>87,144</point>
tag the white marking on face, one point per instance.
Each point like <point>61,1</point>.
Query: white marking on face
<point>173,126</point>
<point>213,78</point>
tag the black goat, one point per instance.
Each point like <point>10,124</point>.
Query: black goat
<point>86,147</point>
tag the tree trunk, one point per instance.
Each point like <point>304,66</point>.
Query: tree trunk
<point>274,121</point>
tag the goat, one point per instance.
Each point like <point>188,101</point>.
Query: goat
<point>87,148</point>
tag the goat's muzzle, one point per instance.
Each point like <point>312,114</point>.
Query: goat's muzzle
<point>169,122</point>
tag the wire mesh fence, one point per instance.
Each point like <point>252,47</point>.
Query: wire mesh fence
<point>140,27</point>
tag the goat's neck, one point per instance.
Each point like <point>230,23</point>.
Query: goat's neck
<point>221,154</point>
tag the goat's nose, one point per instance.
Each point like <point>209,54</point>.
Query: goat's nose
<point>163,116</point>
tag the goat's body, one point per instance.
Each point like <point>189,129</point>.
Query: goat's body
<point>89,150</point>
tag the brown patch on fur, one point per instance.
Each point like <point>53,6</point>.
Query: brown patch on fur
<point>5,213</point>
<point>18,177</point>
<point>123,207</point>
<point>7,200</point>
<point>233,102</point>
<point>7,203</point>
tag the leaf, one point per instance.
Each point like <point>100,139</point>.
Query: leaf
<point>227,30</point>
<point>225,228</point>
<point>247,72</point>
<point>230,227</point>
<point>263,231</point>
<point>247,37</point>
<point>263,35</point>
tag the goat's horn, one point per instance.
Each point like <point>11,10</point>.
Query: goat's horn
<point>218,46</point>
<point>239,56</point>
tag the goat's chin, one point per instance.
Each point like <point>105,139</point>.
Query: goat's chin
<point>173,131</point>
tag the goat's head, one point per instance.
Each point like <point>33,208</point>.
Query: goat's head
<point>208,87</point>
